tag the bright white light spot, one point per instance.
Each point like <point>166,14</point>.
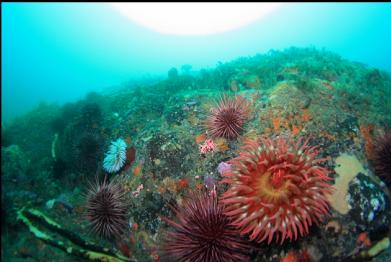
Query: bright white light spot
<point>194,18</point>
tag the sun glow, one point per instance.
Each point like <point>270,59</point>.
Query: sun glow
<point>194,18</point>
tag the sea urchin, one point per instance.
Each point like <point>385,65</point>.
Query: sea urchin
<point>276,189</point>
<point>107,208</point>
<point>228,118</point>
<point>201,232</point>
<point>382,158</point>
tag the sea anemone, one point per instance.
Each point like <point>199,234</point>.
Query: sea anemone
<point>201,232</point>
<point>228,118</point>
<point>276,189</point>
<point>116,156</point>
<point>107,208</point>
<point>382,158</point>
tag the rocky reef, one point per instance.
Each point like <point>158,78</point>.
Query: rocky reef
<point>175,131</point>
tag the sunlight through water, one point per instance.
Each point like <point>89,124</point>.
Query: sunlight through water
<point>194,18</point>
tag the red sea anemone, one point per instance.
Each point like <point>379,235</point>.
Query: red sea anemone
<point>277,189</point>
<point>201,232</point>
<point>228,118</point>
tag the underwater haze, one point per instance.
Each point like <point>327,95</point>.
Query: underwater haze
<point>57,52</point>
<point>192,132</point>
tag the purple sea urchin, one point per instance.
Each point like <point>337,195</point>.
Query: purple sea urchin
<point>88,152</point>
<point>227,119</point>
<point>107,208</point>
<point>382,158</point>
<point>203,233</point>
<point>116,156</point>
